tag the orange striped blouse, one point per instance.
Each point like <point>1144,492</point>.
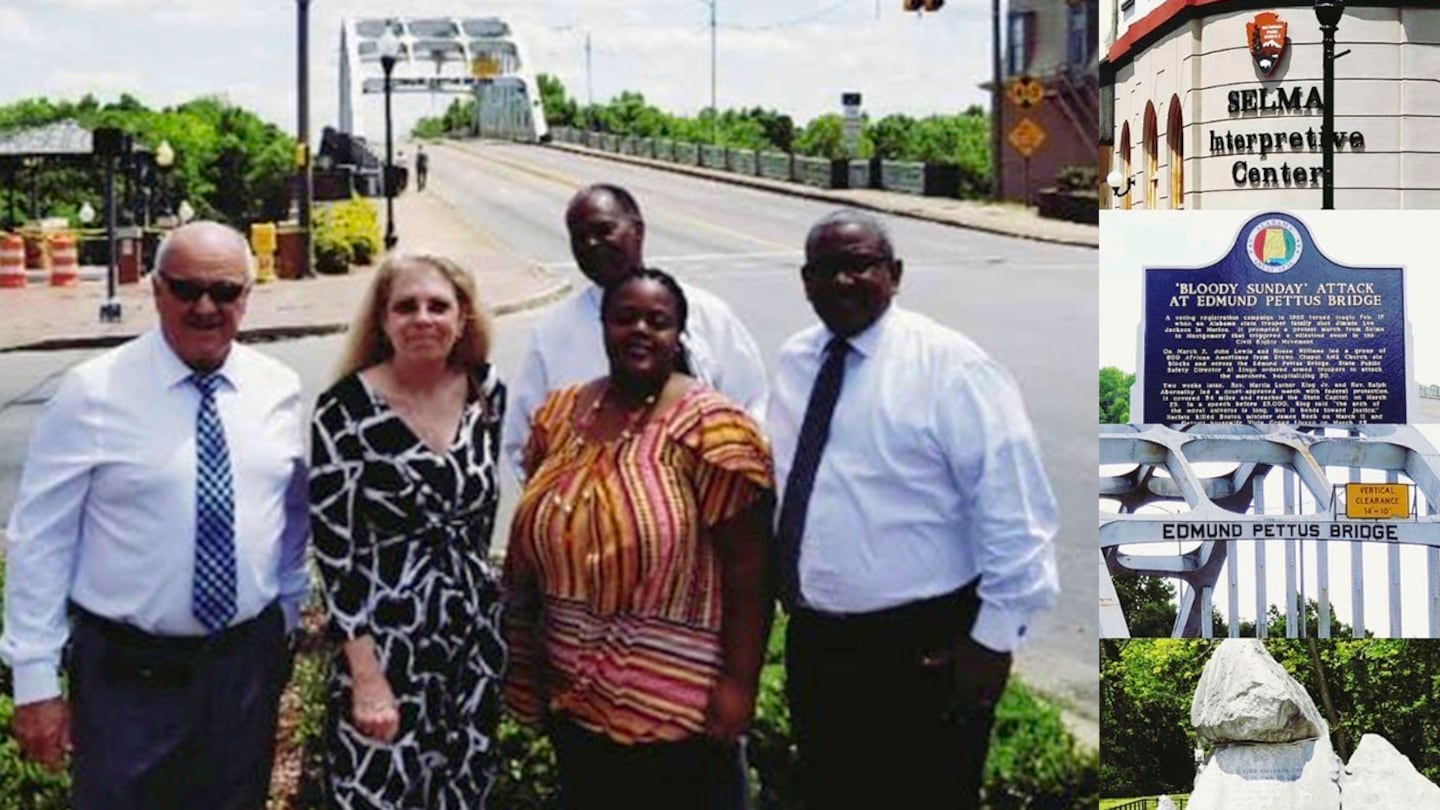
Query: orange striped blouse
<point>613,589</point>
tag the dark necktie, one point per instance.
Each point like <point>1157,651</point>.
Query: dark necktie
<point>814,431</point>
<point>214,587</point>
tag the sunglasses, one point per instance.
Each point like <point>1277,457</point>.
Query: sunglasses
<point>851,266</point>
<point>221,292</point>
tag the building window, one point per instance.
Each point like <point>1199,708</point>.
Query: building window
<point>1021,42</point>
<point>1079,35</point>
<point>1175,138</point>
<point>1152,146</point>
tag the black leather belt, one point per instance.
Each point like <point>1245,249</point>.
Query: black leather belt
<point>139,641</point>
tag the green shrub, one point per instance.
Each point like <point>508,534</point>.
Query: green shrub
<point>24,785</point>
<point>333,253</point>
<point>358,224</point>
<point>1077,178</point>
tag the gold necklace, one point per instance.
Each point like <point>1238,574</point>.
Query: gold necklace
<point>635,416</point>
<point>583,428</point>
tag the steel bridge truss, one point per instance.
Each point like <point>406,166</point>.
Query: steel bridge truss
<point>1223,509</point>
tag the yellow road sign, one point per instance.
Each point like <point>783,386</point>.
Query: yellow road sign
<point>1026,92</point>
<point>1027,136</point>
<point>484,67</point>
<point>1377,500</point>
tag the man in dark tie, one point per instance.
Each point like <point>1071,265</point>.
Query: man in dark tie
<point>163,505</point>
<point>914,534</point>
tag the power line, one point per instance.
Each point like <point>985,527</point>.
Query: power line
<point>791,23</point>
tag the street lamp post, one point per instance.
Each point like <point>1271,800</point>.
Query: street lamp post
<point>389,51</point>
<point>164,161</point>
<point>1328,13</point>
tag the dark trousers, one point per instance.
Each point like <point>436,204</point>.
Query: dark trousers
<point>162,723</point>
<point>876,724</point>
<point>597,773</point>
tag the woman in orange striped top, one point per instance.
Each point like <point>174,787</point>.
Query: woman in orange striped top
<point>636,585</point>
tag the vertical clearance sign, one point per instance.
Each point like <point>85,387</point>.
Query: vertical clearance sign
<point>1274,332</point>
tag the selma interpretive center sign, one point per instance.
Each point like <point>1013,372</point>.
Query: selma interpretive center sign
<point>1274,332</point>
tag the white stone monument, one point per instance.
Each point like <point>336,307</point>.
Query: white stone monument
<point>1271,748</point>
<point>1380,778</point>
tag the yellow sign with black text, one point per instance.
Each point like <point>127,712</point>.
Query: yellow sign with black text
<point>1377,500</point>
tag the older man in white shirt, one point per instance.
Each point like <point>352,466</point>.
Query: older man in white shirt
<point>914,534</point>
<point>607,236</point>
<point>163,505</point>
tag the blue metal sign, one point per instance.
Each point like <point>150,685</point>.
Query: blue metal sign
<point>1274,332</point>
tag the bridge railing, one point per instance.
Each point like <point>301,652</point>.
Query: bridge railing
<point>908,177</point>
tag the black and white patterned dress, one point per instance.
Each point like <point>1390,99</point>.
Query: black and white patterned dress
<point>402,536</point>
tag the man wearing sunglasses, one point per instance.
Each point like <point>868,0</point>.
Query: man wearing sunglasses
<point>163,506</point>
<point>914,534</point>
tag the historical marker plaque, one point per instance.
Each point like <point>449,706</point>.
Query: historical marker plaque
<point>1274,332</point>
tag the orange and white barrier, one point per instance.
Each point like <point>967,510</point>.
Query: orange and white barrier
<point>64,262</point>
<point>12,261</point>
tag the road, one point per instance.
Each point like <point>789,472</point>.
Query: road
<point>1031,305</point>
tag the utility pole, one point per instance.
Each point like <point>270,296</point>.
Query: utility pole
<point>589,78</point>
<point>997,180</point>
<point>714,110</point>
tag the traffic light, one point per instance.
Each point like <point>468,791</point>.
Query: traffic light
<point>933,5</point>
<point>910,5</point>
<point>921,5</point>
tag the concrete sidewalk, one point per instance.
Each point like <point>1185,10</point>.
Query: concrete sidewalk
<point>40,317</point>
<point>1008,219</point>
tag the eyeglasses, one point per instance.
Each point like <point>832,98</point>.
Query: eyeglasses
<point>850,266</point>
<point>221,292</point>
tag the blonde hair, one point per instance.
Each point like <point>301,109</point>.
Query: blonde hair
<point>366,344</point>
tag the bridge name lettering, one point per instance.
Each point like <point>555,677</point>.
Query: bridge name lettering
<point>1376,532</point>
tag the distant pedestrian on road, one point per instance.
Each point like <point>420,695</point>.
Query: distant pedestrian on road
<point>403,490</point>
<point>914,532</point>
<point>163,501</point>
<point>637,596</point>
<point>607,235</point>
<point>422,167</point>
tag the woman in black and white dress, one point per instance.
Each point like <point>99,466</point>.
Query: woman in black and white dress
<point>403,491</point>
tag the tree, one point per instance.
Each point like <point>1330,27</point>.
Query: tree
<point>1115,396</point>
<point>893,136</point>
<point>560,109</point>
<point>1148,604</point>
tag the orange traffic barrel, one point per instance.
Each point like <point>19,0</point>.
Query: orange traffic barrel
<point>12,261</point>
<point>64,264</point>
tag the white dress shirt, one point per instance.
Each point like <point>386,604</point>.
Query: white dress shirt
<point>106,509</point>
<point>930,477</point>
<point>567,347</point>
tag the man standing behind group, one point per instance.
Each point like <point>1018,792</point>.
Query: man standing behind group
<point>607,237</point>
<point>163,501</point>
<point>914,533</point>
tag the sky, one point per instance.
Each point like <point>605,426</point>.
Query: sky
<point>1133,240</point>
<point>797,56</point>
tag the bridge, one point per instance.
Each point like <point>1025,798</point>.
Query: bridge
<point>479,57</point>
<point>1220,493</point>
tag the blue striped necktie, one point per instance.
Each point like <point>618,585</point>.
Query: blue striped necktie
<point>814,431</point>
<point>214,587</point>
